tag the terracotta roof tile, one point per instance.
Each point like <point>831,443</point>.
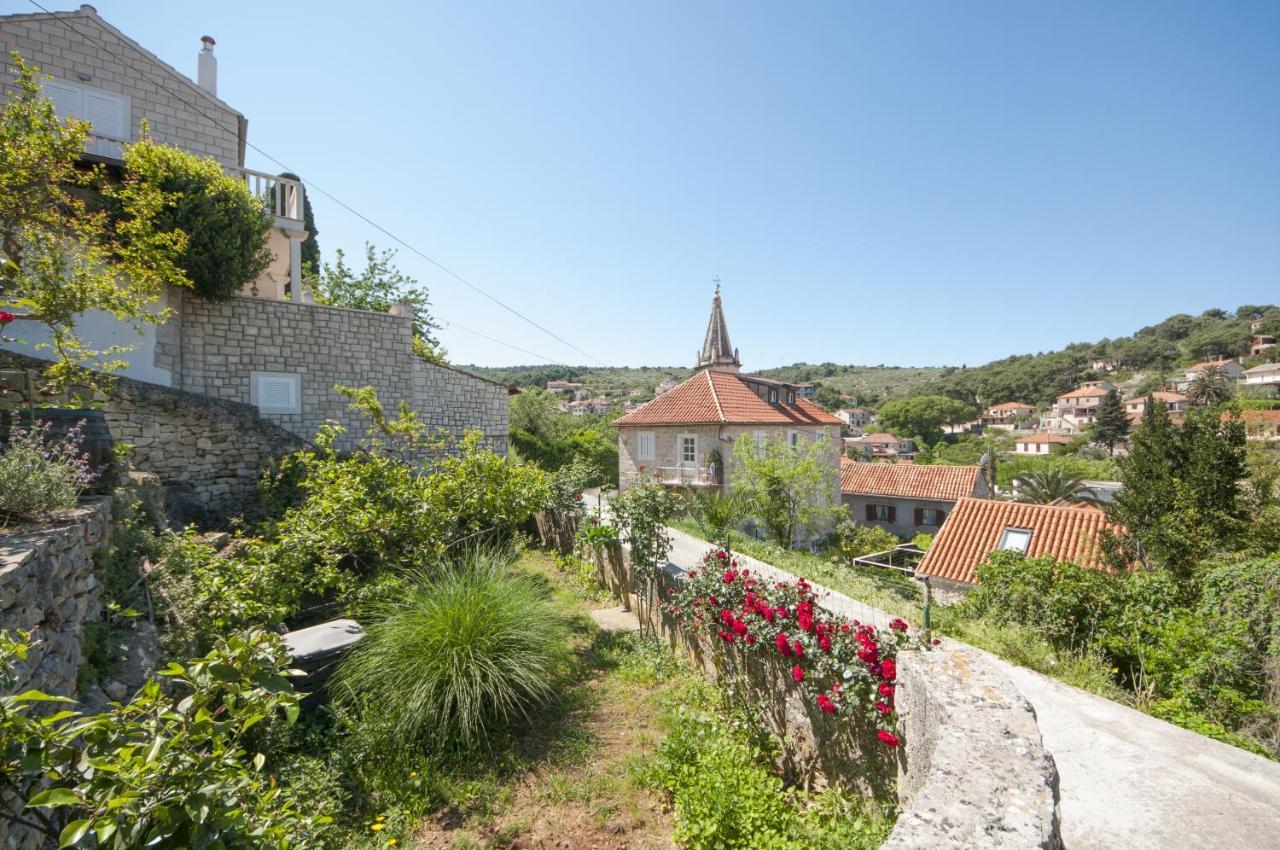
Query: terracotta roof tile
<point>1013,405</point>
<point>973,529</point>
<point>1085,392</point>
<point>1057,439</point>
<point>1206,363</point>
<point>908,481</point>
<point>714,398</point>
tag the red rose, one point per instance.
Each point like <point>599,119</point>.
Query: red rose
<point>730,576</point>
<point>898,625</point>
<point>797,673</point>
<point>888,669</point>
<point>739,628</point>
<point>824,643</point>
<point>805,621</point>
<point>727,637</point>
<point>885,689</point>
<point>888,738</point>
<point>825,703</point>
<point>750,639</point>
<point>867,654</point>
<point>798,649</point>
<point>6,318</point>
<point>883,708</point>
<point>726,616</point>
<point>781,642</point>
<point>844,629</point>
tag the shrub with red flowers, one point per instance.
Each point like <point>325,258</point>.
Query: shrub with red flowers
<point>847,667</point>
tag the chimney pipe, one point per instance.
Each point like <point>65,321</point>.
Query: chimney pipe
<point>207,67</point>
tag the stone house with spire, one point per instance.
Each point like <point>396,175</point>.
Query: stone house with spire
<point>686,436</point>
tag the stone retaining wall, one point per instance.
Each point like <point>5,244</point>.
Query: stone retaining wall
<point>972,772</point>
<point>48,588</point>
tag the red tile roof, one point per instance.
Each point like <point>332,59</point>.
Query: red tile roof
<point>1058,439</point>
<point>1205,363</point>
<point>1013,405</point>
<point>723,398</point>
<point>908,481</point>
<point>880,437</point>
<point>1086,392</point>
<point>973,529</point>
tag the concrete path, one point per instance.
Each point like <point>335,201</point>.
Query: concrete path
<point>1127,780</point>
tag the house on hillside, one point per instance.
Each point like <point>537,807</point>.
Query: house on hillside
<point>1261,344</point>
<point>1261,425</point>
<point>686,436</point>
<point>665,385</point>
<point>1175,403</point>
<point>1265,375</point>
<point>1039,444</point>
<point>905,498</point>
<point>271,348</point>
<point>563,387</point>
<point>1073,411</point>
<point>853,417</point>
<point>978,527</point>
<point>1007,416</point>
<point>882,446</point>
<point>1231,370</point>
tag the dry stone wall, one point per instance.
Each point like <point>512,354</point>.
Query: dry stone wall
<point>48,588</point>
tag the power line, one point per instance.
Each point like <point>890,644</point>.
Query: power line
<point>311,185</point>
<point>500,342</point>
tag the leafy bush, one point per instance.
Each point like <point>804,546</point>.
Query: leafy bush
<point>854,540</point>
<point>225,225</point>
<point>462,653</point>
<point>40,474</point>
<point>160,771</point>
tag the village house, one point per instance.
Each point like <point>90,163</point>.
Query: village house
<point>271,348</point>
<point>1261,425</point>
<point>978,527</point>
<point>1039,444</point>
<point>1175,403</point>
<point>904,498</point>
<point>883,446</point>
<point>563,387</point>
<point>1261,344</point>
<point>1264,375</point>
<point>1073,411</point>
<point>1231,370</point>
<point>686,436</point>
<point>1007,416</point>
<point>665,385</point>
<point>853,417</point>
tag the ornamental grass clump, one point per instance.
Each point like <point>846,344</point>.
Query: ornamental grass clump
<point>468,648</point>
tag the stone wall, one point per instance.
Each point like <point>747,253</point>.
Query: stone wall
<point>207,453</point>
<point>973,771</point>
<point>47,588</point>
<point>68,50</point>
<point>222,345</point>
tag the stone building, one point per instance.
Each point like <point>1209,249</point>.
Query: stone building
<point>272,348</point>
<point>905,498</point>
<point>686,436</point>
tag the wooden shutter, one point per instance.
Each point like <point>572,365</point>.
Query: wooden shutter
<point>941,517</point>
<point>893,514</point>
<point>919,517</point>
<point>871,513</point>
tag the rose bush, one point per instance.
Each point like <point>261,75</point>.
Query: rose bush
<point>845,666</point>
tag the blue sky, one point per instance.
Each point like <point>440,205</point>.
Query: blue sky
<point>902,183</point>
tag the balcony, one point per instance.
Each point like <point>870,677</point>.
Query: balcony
<point>688,475</point>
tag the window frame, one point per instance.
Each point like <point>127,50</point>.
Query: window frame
<point>680,449</point>
<point>1006,537</point>
<point>652,440</point>
<point>256,380</point>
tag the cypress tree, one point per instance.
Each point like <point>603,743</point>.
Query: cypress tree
<point>1112,423</point>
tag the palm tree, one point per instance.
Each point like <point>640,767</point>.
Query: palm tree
<point>1211,387</point>
<point>717,515</point>
<point>1051,485</point>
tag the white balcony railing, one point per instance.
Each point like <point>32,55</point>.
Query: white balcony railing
<point>689,475</point>
<point>105,147</point>
<point>283,195</point>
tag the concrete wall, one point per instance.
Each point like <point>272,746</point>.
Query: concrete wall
<point>47,588</point>
<point>63,50</point>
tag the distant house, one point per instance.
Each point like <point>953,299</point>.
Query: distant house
<point>1261,425</point>
<point>665,385</point>
<point>1074,410</point>
<point>854,417</point>
<point>906,499</point>
<point>563,387</point>
<point>978,527</point>
<point>1266,375</point>
<point>1261,344</point>
<point>1174,402</point>
<point>1230,367</point>
<point>882,445</point>
<point>1039,444</point>
<point>597,406</point>
<point>1007,415</point>
<point>686,435</point>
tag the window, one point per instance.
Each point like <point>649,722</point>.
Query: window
<point>773,396</point>
<point>1015,540</point>
<point>930,516</point>
<point>882,513</point>
<point>793,439</point>
<point>762,442</point>
<point>688,448</point>
<point>276,392</point>
<point>791,399</point>
<point>107,111</point>
<point>644,445</point>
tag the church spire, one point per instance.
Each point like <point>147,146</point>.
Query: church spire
<point>717,352</point>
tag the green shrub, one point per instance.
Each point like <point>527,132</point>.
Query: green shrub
<point>225,224</point>
<point>40,474</point>
<point>463,652</point>
<point>854,540</point>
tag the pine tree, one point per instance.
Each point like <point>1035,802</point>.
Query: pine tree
<point>1112,423</point>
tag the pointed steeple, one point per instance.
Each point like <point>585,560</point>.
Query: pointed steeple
<point>717,352</point>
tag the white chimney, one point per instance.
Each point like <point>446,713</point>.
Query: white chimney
<point>207,67</point>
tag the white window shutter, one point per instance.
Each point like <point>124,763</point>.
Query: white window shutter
<point>67,100</point>
<point>107,112</point>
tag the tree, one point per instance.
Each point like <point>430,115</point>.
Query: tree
<point>923,416</point>
<point>1046,486</point>
<point>717,515</point>
<point>375,288</point>
<point>790,490</point>
<point>61,254</point>
<point>827,397</point>
<point>310,246</point>
<point>1112,423</point>
<point>1211,387</point>
<point>224,224</point>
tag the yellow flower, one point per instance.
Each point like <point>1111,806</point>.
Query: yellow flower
<point>391,842</point>
<point>377,826</point>
<point>413,773</point>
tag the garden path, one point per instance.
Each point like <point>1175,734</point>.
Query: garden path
<point>1128,781</point>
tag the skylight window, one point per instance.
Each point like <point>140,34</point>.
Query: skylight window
<point>1015,540</point>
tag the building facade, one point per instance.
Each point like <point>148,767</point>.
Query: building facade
<point>906,499</point>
